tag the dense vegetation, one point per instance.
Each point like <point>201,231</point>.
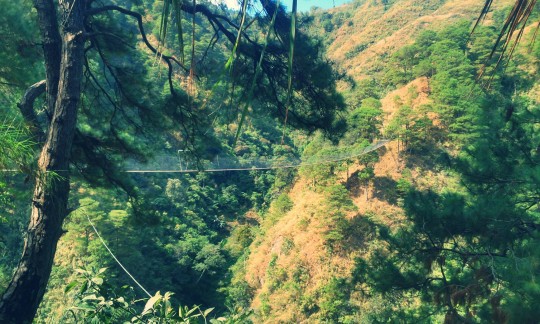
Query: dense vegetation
<point>440,225</point>
<point>465,250</point>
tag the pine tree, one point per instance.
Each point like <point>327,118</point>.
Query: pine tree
<point>78,132</point>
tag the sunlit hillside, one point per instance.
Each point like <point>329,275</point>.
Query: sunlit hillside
<point>295,270</point>
<point>362,35</point>
<point>208,162</point>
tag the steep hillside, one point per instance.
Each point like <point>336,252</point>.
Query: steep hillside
<point>364,33</point>
<point>309,261</point>
<point>293,269</point>
<point>371,163</point>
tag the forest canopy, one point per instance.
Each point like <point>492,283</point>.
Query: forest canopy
<point>414,197</point>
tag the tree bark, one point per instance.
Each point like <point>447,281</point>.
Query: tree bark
<point>52,48</point>
<point>26,107</point>
<point>21,300</point>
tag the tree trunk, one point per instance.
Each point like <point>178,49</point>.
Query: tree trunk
<point>49,205</point>
<point>52,48</point>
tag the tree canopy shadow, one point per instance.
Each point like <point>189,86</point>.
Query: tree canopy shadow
<point>384,188</point>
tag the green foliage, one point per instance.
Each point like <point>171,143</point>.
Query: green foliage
<point>335,305</point>
<point>365,175</point>
<point>363,89</point>
<point>240,238</point>
<point>364,122</point>
<point>401,65</point>
<point>404,185</point>
<point>461,252</point>
<point>467,252</point>
<point>278,209</point>
<point>19,54</point>
<point>283,203</point>
<point>16,157</point>
<point>357,50</point>
<point>337,203</point>
<point>319,173</point>
<point>16,149</point>
<point>241,294</point>
<point>97,302</point>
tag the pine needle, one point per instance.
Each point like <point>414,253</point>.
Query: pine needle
<point>232,57</point>
<point>256,75</point>
<point>290,72</point>
<point>510,34</point>
<point>177,7</point>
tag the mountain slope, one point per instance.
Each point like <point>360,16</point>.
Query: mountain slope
<point>364,33</point>
<point>293,267</point>
<point>295,272</point>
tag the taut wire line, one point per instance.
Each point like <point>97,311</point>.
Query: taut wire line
<point>179,164</point>
<point>172,164</point>
<point>114,257</point>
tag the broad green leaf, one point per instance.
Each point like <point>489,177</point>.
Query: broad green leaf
<point>90,297</point>
<point>190,311</point>
<point>70,286</point>
<point>151,302</point>
<point>83,288</point>
<point>206,312</point>
<point>83,308</point>
<point>168,295</point>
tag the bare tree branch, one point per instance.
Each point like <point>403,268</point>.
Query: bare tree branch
<point>52,48</point>
<point>26,106</point>
<point>110,35</point>
<point>252,49</point>
<point>166,58</point>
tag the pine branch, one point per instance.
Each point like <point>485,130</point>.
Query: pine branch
<point>26,107</point>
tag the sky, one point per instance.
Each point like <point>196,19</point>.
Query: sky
<point>303,5</point>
